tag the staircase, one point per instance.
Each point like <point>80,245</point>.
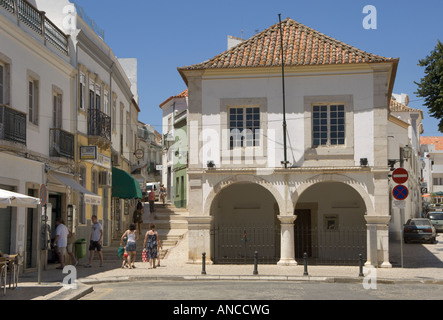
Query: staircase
<point>170,223</point>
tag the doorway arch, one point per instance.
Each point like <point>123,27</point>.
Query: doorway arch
<point>331,225</point>
<point>245,221</point>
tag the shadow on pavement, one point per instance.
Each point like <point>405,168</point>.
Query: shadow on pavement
<point>417,255</point>
<point>51,280</point>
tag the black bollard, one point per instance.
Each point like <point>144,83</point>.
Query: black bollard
<point>305,259</point>
<point>360,263</point>
<point>204,263</point>
<point>255,263</point>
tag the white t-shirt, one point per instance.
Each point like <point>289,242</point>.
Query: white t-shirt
<point>96,228</point>
<point>62,232</point>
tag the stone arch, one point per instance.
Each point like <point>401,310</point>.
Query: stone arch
<point>357,186</point>
<point>246,178</point>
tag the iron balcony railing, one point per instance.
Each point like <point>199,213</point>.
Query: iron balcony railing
<point>38,22</point>
<point>12,125</point>
<point>61,144</point>
<point>99,124</point>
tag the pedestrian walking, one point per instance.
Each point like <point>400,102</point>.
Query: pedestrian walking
<point>151,245</point>
<point>131,247</point>
<point>61,241</point>
<point>95,241</point>
<point>137,217</point>
<point>163,194</point>
<point>151,199</point>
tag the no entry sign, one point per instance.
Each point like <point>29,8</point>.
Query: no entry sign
<point>400,175</point>
<point>400,192</point>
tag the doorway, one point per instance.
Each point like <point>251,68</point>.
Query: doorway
<point>5,225</point>
<point>302,233</point>
<point>54,211</point>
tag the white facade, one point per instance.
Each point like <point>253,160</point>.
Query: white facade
<point>174,109</point>
<point>337,186</point>
<point>106,113</point>
<point>404,130</point>
<point>37,126</point>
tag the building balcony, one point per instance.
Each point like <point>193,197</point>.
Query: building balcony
<point>61,144</point>
<point>12,125</point>
<point>36,20</point>
<point>99,128</point>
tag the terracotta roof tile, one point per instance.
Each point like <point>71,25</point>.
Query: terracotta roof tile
<point>302,46</point>
<point>437,141</point>
<point>399,107</point>
<point>183,94</point>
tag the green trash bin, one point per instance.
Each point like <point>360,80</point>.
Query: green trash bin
<point>80,248</point>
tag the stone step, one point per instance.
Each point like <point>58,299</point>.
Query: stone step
<point>167,216</point>
<point>167,225</point>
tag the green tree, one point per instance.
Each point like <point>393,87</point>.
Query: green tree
<point>431,86</point>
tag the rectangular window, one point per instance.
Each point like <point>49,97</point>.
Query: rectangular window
<point>94,187</point>
<point>328,125</point>
<point>82,91</point>
<point>33,101</point>
<point>82,207</point>
<point>114,115</point>
<point>2,84</point>
<point>97,97</point>
<point>91,99</point>
<point>106,103</point>
<point>57,111</point>
<point>244,127</point>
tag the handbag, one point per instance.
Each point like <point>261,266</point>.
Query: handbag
<point>145,255</point>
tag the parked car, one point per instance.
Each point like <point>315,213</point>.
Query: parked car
<point>419,229</point>
<point>436,219</point>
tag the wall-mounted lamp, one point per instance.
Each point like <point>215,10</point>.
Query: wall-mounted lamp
<point>210,164</point>
<point>406,152</point>
<point>391,163</point>
<point>364,162</point>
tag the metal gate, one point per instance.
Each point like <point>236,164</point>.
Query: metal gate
<point>341,246</point>
<point>238,244</point>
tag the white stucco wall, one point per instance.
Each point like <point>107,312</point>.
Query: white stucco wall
<point>358,85</point>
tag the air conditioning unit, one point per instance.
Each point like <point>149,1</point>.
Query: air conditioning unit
<point>115,159</point>
<point>105,179</point>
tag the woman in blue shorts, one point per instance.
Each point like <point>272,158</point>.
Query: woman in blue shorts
<point>132,237</point>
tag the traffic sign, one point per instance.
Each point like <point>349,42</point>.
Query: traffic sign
<point>400,192</point>
<point>139,153</point>
<point>400,176</point>
<point>43,194</point>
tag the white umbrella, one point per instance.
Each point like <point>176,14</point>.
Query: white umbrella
<point>13,199</point>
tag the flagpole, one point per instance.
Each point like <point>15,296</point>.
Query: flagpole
<point>284,99</point>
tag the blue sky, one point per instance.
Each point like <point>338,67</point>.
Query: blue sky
<point>164,35</point>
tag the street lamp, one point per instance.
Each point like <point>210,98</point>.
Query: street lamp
<point>406,152</point>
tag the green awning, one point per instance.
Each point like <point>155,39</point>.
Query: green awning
<point>124,186</point>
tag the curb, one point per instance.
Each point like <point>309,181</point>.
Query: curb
<point>85,286</point>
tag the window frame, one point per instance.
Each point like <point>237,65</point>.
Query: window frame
<point>33,101</point>
<point>256,141</point>
<point>82,92</point>
<point>2,84</point>
<point>329,125</point>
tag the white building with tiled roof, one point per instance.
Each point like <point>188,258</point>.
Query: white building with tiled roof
<point>404,130</point>
<point>332,201</point>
